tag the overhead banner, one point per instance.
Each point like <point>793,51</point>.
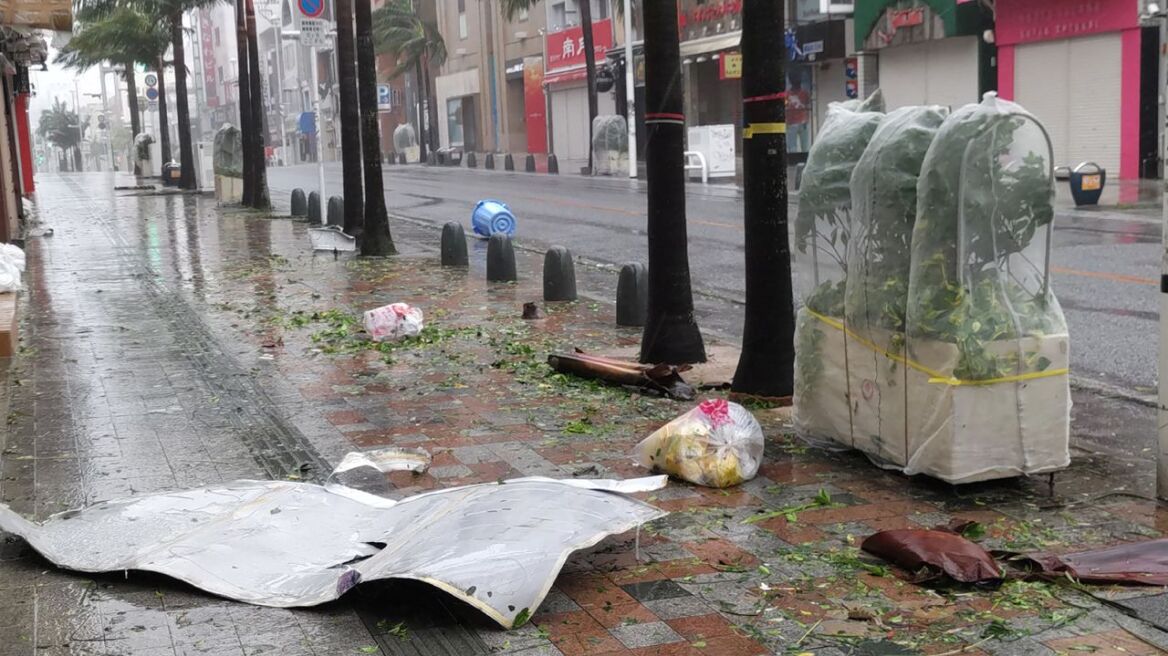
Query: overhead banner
<point>565,49</point>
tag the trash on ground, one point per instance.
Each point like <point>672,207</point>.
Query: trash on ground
<point>717,444</point>
<point>386,460</point>
<point>491,216</point>
<point>531,311</point>
<point>9,276</point>
<point>931,552</point>
<point>496,546</point>
<point>331,238</point>
<point>663,378</point>
<point>393,322</point>
<point>13,254</point>
<point>1144,563</point>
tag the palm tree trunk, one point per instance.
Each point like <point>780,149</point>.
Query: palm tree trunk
<point>376,239</point>
<point>589,70</point>
<point>246,128</point>
<point>422,118</point>
<point>163,121</point>
<point>671,334</point>
<point>260,198</point>
<point>135,116</point>
<point>767,364</point>
<point>185,147</point>
<point>350,120</point>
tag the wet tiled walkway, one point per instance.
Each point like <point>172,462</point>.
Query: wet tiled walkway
<point>168,343</point>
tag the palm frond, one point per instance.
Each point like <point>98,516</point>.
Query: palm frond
<point>400,32</point>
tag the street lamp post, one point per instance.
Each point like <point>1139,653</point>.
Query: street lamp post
<point>630,89</point>
<point>315,61</point>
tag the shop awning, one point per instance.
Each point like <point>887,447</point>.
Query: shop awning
<point>42,14</point>
<point>714,43</point>
<point>567,75</point>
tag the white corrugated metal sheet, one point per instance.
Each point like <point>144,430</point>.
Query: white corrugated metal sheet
<point>938,72</point>
<point>1073,87</point>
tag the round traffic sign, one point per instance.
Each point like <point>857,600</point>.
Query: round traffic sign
<point>311,8</point>
<point>151,80</point>
<point>152,94</point>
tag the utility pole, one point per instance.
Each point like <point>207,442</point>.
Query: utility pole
<point>630,89</point>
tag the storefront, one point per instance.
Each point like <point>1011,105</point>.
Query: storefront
<point>821,69</point>
<point>1077,67</point>
<point>458,105</point>
<point>930,52</point>
<point>566,84</point>
<point>711,62</point>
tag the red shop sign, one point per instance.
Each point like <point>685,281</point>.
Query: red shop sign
<point>898,18</point>
<point>565,48</point>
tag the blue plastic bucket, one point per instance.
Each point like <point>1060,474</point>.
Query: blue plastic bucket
<point>491,216</point>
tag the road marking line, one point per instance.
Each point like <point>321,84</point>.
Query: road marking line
<point>1103,275</point>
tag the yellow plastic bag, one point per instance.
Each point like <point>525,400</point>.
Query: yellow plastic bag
<point>717,444</point>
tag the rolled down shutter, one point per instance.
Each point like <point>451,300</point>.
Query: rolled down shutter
<point>1073,87</point>
<point>938,72</point>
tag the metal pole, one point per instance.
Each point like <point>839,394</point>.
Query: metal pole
<point>109,125</point>
<point>283,160</point>
<point>319,132</point>
<point>630,89</point>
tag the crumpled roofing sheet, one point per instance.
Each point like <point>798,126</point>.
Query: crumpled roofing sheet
<point>496,546</point>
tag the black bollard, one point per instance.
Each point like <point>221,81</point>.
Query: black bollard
<point>632,295</point>
<point>401,158</point>
<point>553,164</point>
<point>432,159</point>
<point>470,160</point>
<point>529,166</point>
<point>336,211</point>
<point>314,207</point>
<point>489,164</point>
<point>390,159</point>
<point>501,259</point>
<point>454,245</point>
<point>559,275</point>
<point>299,202</point>
<point>508,162</point>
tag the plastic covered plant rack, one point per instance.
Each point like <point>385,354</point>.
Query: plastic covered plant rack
<point>496,546</point>
<point>823,225</point>
<point>987,383</point>
<point>610,144</point>
<point>884,208</point>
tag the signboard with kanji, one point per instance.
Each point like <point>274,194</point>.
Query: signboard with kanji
<point>314,33</point>
<point>565,49</point>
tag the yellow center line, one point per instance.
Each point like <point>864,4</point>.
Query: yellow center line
<point>1103,275</point>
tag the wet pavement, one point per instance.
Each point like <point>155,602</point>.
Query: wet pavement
<point>168,343</point>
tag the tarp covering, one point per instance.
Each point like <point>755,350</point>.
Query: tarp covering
<point>227,157</point>
<point>43,14</point>
<point>496,546</point>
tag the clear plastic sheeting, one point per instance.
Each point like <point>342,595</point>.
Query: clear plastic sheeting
<point>610,145</point>
<point>227,157</point>
<point>884,208</point>
<point>987,349</point>
<point>495,546</point>
<point>823,225</point>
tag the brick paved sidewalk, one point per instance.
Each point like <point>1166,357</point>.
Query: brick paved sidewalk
<point>169,344</point>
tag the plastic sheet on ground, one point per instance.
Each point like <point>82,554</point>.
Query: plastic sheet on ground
<point>716,444</point>
<point>11,267</point>
<point>13,254</point>
<point>393,322</point>
<point>932,552</point>
<point>495,546</point>
<point>331,238</point>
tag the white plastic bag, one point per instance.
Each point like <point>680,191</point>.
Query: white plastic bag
<point>9,276</point>
<point>393,322</point>
<point>717,444</point>
<point>14,254</point>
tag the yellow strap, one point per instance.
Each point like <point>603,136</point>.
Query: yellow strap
<point>935,377</point>
<point>763,128</point>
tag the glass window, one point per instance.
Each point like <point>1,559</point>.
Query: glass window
<point>454,121</point>
<point>462,31</point>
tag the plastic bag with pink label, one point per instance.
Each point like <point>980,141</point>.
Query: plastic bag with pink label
<point>717,444</point>
<point>393,322</point>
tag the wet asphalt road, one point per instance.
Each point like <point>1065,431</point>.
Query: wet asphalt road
<point>1106,264</point>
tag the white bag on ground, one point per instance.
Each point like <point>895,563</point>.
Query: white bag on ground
<point>717,444</point>
<point>9,276</point>
<point>393,322</point>
<point>14,254</point>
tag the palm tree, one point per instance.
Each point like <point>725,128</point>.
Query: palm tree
<point>414,44</point>
<point>671,333</point>
<point>350,120</point>
<point>766,365</point>
<point>260,198</point>
<point>61,126</point>
<point>172,13</point>
<point>246,128</point>
<point>122,36</point>
<point>376,238</point>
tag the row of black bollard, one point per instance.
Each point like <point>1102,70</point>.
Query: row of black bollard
<point>309,207</point>
<point>559,272</point>
<point>509,163</point>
